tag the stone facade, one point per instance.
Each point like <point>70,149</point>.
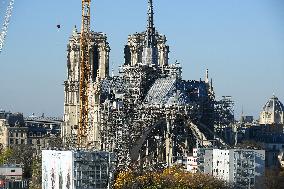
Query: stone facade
<point>35,131</point>
<point>3,132</point>
<point>99,61</point>
<point>134,49</point>
<point>12,129</point>
<point>41,130</point>
<point>272,115</point>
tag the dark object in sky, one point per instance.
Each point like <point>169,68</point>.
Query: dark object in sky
<point>58,26</point>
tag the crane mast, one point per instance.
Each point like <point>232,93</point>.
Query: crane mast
<point>4,29</point>
<point>84,74</point>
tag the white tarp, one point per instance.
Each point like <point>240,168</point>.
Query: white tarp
<point>57,169</point>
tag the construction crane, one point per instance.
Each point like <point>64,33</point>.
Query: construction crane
<point>84,74</point>
<point>4,29</point>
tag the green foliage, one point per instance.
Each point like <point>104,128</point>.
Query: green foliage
<point>36,174</point>
<point>25,156</point>
<point>22,154</point>
<point>5,155</point>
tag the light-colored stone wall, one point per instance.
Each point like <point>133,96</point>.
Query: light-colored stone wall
<point>99,48</point>
<point>136,42</point>
<point>272,113</point>
<point>3,133</point>
<point>271,118</point>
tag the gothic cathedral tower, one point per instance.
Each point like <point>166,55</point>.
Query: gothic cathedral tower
<point>148,47</point>
<point>99,60</point>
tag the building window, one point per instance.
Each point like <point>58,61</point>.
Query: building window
<point>11,141</point>
<point>13,171</point>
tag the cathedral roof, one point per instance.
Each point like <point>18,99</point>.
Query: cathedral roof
<point>273,105</point>
<point>162,91</point>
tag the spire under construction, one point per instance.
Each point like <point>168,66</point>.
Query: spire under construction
<point>150,51</point>
<point>150,37</point>
<point>148,47</point>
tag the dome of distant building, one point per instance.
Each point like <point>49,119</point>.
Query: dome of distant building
<point>273,105</point>
<point>273,112</point>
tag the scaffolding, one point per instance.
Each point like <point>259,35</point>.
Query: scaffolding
<point>150,116</point>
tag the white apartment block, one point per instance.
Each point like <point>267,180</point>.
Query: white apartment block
<point>192,162</point>
<point>241,167</point>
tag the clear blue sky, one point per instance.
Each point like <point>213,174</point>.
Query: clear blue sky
<point>241,42</point>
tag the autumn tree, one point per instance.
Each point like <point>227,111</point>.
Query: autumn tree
<point>170,178</point>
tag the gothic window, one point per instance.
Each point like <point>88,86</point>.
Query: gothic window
<point>96,61</point>
<point>140,50</point>
<point>127,55</point>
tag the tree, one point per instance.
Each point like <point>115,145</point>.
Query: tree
<point>170,178</point>
<point>36,173</point>
<point>22,154</point>
<point>5,155</point>
<point>55,142</point>
<point>274,178</point>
